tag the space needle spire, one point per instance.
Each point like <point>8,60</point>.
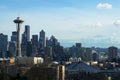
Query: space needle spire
<point>18,21</point>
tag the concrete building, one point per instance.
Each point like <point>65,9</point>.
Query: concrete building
<point>28,61</point>
<point>60,72</point>
<point>112,52</point>
<point>88,54</point>
<point>79,52</point>
<point>76,51</point>
<point>73,52</point>
<point>95,55</point>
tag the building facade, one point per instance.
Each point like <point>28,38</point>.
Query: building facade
<point>112,52</point>
<point>3,44</point>
<point>12,48</point>
<point>14,36</point>
<point>26,34</point>
<point>34,41</point>
<point>25,40</point>
<point>42,39</point>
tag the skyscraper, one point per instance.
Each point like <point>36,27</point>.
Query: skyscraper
<point>42,40</point>
<point>88,54</point>
<point>3,44</point>
<point>79,50</point>
<point>25,40</point>
<point>26,34</point>
<point>78,45</point>
<point>27,31</point>
<point>57,49</point>
<point>34,41</point>
<point>29,49</point>
<point>48,51</point>
<point>12,48</point>
<point>14,36</point>
<point>53,41</point>
<point>12,44</point>
<point>112,52</point>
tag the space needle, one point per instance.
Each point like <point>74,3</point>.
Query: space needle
<point>18,21</point>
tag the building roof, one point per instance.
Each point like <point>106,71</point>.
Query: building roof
<point>80,66</point>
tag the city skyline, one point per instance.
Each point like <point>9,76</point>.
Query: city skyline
<point>92,23</point>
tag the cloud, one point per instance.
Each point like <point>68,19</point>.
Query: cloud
<point>117,22</point>
<point>114,38</point>
<point>104,6</point>
<point>98,24</point>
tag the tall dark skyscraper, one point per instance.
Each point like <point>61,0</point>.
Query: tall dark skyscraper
<point>78,45</point>
<point>79,50</point>
<point>12,48</point>
<point>14,36</point>
<point>25,40</point>
<point>26,34</point>
<point>29,49</point>
<point>3,44</point>
<point>27,31</point>
<point>13,44</point>
<point>34,41</point>
<point>42,40</point>
<point>52,41</point>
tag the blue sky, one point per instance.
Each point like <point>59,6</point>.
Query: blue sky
<point>91,22</point>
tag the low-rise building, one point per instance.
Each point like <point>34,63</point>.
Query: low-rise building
<point>30,60</point>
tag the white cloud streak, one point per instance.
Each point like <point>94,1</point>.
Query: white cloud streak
<point>117,22</point>
<point>104,6</point>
